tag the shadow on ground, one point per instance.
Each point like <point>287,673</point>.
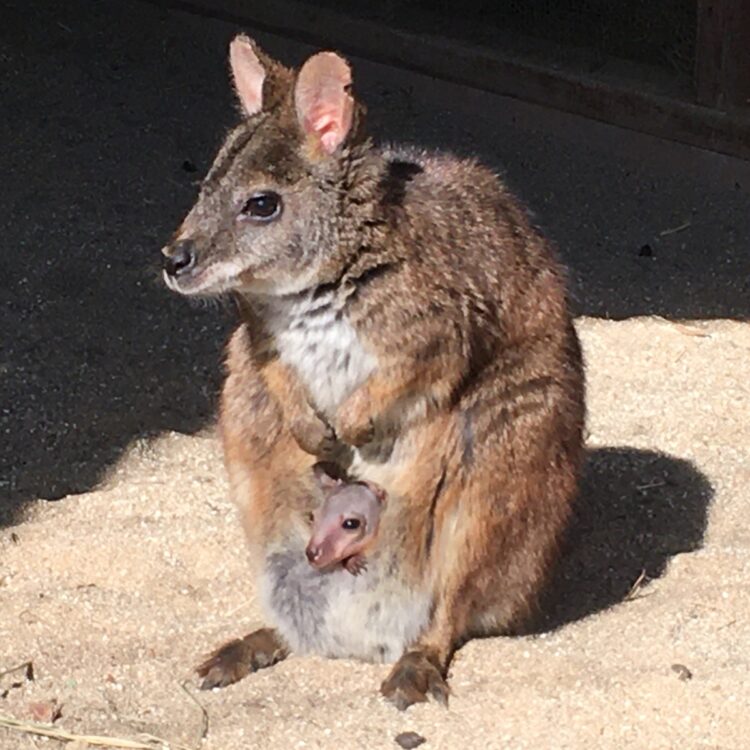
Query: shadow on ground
<point>636,510</point>
<point>112,111</point>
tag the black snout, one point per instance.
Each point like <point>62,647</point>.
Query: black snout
<point>180,258</point>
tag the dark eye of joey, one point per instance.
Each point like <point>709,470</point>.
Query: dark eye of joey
<point>262,207</point>
<point>351,524</point>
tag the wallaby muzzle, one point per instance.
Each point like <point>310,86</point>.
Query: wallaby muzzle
<point>179,258</point>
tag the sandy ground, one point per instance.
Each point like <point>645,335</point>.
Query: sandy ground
<point>114,594</point>
<point>133,566</point>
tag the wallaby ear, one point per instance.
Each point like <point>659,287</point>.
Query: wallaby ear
<point>248,74</point>
<point>326,481</point>
<point>323,100</point>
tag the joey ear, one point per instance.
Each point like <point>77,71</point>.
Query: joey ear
<point>326,481</point>
<point>323,100</point>
<point>377,490</point>
<point>248,74</point>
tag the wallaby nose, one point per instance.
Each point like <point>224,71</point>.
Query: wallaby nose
<point>313,552</point>
<point>179,258</point>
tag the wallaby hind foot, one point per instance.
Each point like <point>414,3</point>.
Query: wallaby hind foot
<point>412,679</point>
<point>237,659</point>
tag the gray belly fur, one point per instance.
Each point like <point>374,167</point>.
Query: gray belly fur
<point>373,616</point>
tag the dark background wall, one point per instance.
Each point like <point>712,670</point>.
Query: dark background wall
<point>110,114</point>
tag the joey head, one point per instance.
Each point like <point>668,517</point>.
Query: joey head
<point>346,524</point>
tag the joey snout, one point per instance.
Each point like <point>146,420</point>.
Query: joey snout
<point>319,554</point>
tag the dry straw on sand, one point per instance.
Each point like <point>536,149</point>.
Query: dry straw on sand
<point>46,730</point>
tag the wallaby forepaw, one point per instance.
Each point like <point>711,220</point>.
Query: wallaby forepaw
<point>355,423</point>
<point>412,679</point>
<point>357,434</point>
<point>314,436</point>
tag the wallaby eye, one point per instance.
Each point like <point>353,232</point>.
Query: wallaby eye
<point>351,524</point>
<point>262,206</point>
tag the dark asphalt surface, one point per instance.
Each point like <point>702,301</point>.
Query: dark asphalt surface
<point>112,111</point>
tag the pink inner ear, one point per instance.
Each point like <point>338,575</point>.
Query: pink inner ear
<point>248,74</point>
<point>327,126</point>
<point>324,106</point>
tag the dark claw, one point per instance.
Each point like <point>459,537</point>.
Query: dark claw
<point>328,443</point>
<point>356,565</point>
<point>236,659</point>
<point>227,665</point>
<point>412,678</point>
<point>439,690</point>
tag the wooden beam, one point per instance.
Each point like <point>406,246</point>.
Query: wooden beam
<point>722,53</point>
<point>626,105</point>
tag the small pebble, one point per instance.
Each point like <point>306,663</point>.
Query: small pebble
<point>409,740</point>
<point>46,712</point>
<point>682,672</point>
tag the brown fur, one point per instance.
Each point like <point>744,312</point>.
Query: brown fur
<point>478,387</point>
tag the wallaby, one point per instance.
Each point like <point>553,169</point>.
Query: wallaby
<point>347,523</point>
<point>398,310</point>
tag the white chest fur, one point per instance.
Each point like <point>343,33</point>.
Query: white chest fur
<point>315,339</point>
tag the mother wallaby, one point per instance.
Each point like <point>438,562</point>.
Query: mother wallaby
<point>400,315</point>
